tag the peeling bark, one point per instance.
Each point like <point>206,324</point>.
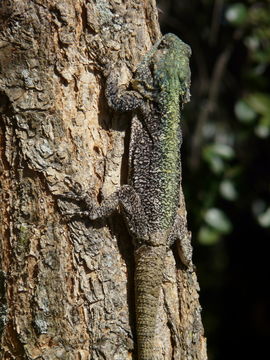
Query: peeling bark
<point>66,289</point>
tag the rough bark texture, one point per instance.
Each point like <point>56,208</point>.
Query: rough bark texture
<point>66,289</point>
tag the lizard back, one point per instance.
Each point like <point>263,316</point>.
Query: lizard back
<point>163,78</point>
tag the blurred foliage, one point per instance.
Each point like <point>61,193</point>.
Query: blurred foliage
<point>226,162</point>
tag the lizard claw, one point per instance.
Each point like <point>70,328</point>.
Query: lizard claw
<point>75,187</point>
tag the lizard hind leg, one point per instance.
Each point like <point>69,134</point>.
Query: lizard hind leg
<point>182,237</point>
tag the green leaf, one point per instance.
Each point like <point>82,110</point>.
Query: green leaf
<point>244,112</point>
<point>215,155</point>
<point>264,218</point>
<point>262,131</point>
<point>236,14</point>
<point>265,120</point>
<point>252,42</point>
<point>227,190</point>
<point>224,151</point>
<point>259,102</point>
<point>263,128</point>
<point>217,165</point>
<point>221,150</point>
<point>217,219</point>
<point>208,236</point>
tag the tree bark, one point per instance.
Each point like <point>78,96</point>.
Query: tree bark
<point>66,288</point>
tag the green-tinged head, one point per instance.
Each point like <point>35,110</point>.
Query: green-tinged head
<point>171,66</point>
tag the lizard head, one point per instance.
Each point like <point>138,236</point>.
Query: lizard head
<point>170,63</point>
<point>165,69</point>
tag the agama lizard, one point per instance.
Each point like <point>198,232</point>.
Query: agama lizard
<point>150,201</point>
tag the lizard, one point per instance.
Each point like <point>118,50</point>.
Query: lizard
<point>149,202</point>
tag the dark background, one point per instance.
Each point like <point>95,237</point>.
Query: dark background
<point>226,166</point>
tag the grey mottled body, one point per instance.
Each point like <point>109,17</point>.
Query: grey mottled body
<point>150,201</point>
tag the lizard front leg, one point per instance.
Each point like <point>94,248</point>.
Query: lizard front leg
<point>118,97</point>
<point>125,198</point>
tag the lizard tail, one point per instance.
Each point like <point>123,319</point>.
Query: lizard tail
<point>148,279</point>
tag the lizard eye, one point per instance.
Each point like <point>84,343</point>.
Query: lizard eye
<point>162,44</point>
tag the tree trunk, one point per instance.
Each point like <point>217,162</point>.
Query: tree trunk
<point>66,288</point>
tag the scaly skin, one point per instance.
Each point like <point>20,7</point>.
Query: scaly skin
<point>148,279</point>
<point>158,183</point>
<point>149,203</point>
